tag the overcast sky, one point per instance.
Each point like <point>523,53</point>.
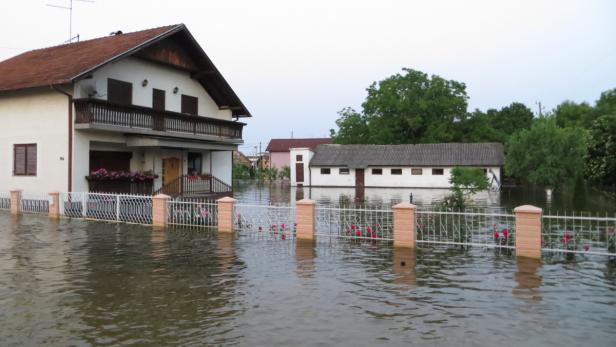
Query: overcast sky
<point>295,64</point>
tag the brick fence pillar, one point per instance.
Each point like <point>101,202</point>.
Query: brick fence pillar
<point>305,217</point>
<point>226,207</point>
<point>159,210</point>
<point>15,201</point>
<point>54,205</point>
<point>528,231</point>
<point>404,225</point>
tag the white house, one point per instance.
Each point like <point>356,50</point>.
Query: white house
<point>392,166</point>
<point>149,102</point>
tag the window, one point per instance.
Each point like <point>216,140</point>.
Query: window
<point>299,157</point>
<point>325,171</point>
<point>190,105</point>
<point>417,172</point>
<point>24,160</point>
<point>119,92</point>
<point>437,172</point>
<point>343,171</point>
<point>377,171</point>
<point>194,163</point>
<point>396,171</point>
<point>158,99</point>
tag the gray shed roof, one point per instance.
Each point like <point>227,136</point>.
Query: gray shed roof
<point>433,154</point>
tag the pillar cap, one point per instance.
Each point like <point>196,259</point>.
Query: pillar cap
<point>16,190</point>
<point>404,205</point>
<point>528,209</point>
<point>226,199</point>
<point>305,202</point>
<point>54,193</point>
<point>161,196</point>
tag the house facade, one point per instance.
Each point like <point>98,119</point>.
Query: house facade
<point>392,166</point>
<point>148,105</point>
<point>280,149</point>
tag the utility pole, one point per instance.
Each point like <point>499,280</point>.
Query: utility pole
<point>540,108</point>
<point>260,157</point>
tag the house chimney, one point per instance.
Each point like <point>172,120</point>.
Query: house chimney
<point>114,33</point>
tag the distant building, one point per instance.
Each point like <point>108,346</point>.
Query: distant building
<point>395,166</point>
<point>240,159</point>
<point>279,149</point>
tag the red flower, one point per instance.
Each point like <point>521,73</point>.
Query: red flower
<point>283,236</point>
<point>353,227</point>
<point>506,233</point>
<point>368,229</point>
<point>496,235</point>
<point>282,226</point>
<point>358,233</point>
<point>566,237</point>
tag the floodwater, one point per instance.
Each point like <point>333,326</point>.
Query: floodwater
<point>81,283</point>
<point>565,199</point>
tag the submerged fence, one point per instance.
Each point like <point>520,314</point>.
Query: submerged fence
<point>525,229</point>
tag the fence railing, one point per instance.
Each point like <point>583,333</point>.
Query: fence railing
<point>107,207</point>
<point>473,227</point>
<point>5,201</point>
<point>365,223</point>
<point>35,203</point>
<point>582,233</point>
<point>264,219</point>
<point>192,213</point>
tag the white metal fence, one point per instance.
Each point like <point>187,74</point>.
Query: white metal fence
<point>5,201</point>
<point>192,213</point>
<point>582,233</point>
<point>108,207</point>
<point>471,227</point>
<point>277,221</point>
<point>354,223</point>
<point>35,202</point>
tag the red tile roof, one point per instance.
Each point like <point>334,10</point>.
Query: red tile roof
<point>284,145</point>
<point>60,64</point>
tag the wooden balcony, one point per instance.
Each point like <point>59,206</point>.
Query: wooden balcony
<point>103,115</point>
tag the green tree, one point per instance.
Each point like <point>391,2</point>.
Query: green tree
<point>606,103</point>
<point>570,114</point>
<point>546,154</point>
<point>285,172</point>
<point>408,107</point>
<point>510,119</point>
<point>465,182</point>
<point>601,158</point>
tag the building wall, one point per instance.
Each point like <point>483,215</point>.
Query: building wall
<point>222,166</point>
<point>386,179</point>
<point>135,70</point>
<point>280,159</point>
<point>306,154</point>
<point>40,117</point>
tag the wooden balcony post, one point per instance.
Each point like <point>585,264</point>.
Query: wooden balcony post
<point>16,201</point>
<point>54,205</point>
<point>306,219</point>
<point>226,208</point>
<point>404,225</point>
<point>528,231</point>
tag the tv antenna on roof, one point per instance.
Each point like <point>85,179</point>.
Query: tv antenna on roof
<point>70,18</point>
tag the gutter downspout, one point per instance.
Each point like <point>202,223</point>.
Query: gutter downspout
<point>70,136</point>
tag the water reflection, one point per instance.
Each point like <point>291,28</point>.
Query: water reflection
<point>528,279</point>
<point>304,256</point>
<point>404,263</point>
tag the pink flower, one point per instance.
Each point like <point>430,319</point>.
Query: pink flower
<point>496,235</point>
<point>282,226</point>
<point>506,233</point>
<point>586,247</point>
<point>358,233</point>
<point>353,227</point>
<point>368,229</point>
<point>283,236</point>
<point>566,237</point>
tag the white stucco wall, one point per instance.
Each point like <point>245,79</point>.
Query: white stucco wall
<point>39,117</point>
<point>222,166</point>
<point>334,179</point>
<point>135,70</point>
<point>306,157</point>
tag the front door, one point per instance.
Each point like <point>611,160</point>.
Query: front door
<point>171,170</point>
<point>299,173</point>
<point>359,178</point>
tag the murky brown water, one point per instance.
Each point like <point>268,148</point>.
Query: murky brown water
<point>78,283</point>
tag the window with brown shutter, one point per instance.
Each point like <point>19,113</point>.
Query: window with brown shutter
<point>190,105</point>
<point>158,99</point>
<point>24,160</point>
<point>119,92</point>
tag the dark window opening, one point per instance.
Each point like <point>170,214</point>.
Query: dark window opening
<point>119,92</point>
<point>377,171</point>
<point>299,157</point>
<point>396,171</point>
<point>344,171</point>
<point>190,105</point>
<point>194,163</point>
<point>110,160</point>
<point>158,99</point>
<point>417,172</point>
<point>24,160</point>
<point>437,172</point>
<point>325,171</point>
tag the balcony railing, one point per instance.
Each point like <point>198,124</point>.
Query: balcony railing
<point>101,112</point>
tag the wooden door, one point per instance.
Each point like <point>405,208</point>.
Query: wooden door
<point>299,173</point>
<point>158,99</point>
<point>119,92</point>
<point>359,178</point>
<point>171,170</point>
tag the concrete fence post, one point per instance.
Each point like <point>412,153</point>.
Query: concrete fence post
<point>305,217</point>
<point>226,208</point>
<point>54,205</point>
<point>528,231</point>
<point>16,201</point>
<point>159,210</point>
<point>404,225</point>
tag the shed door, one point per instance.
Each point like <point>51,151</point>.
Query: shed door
<point>359,178</point>
<point>299,172</point>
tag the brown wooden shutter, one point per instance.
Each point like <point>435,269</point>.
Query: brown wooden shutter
<point>19,160</point>
<point>119,92</point>
<point>158,99</point>
<point>31,160</point>
<point>190,104</point>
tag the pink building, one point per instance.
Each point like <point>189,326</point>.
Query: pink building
<point>279,149</point>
